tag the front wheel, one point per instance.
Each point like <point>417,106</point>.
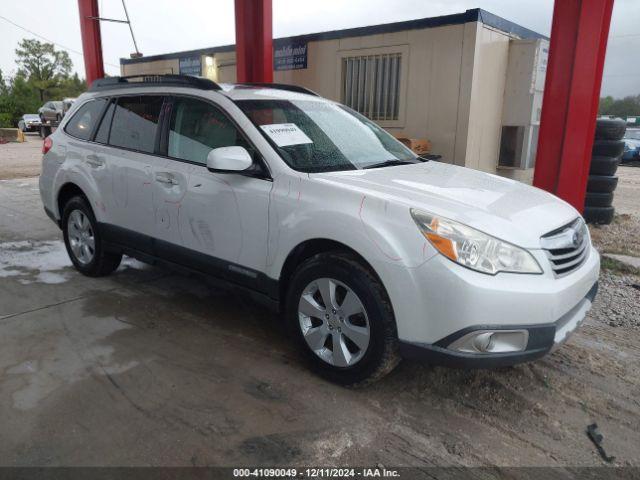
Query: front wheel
<point>83,240</point>
<point>342,318</point>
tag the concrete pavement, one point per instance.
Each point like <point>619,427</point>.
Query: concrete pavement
<point>149,367</point>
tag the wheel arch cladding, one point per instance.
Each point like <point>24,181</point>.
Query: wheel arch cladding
<point>66,193</point>
<point>309,248</point>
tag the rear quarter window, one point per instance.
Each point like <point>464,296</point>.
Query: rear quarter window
<point>84,120</point>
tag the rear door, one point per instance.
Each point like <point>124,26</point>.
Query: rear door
<point>130,151</point>
<point>219,219</point>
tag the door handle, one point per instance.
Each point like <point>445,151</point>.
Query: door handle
<point>95,161</point>
<point>166,178</point>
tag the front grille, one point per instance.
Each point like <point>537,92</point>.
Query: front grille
<point>567,247</point>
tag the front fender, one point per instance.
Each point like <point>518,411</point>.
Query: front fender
<point>379,230</point>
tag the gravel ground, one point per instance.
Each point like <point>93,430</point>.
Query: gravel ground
<point>621,236</point>
<point>626,198</point>
<point>618,302</point>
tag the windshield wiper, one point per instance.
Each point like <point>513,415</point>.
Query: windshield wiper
<point>389,163</point>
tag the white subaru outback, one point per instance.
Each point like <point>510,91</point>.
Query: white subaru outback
<point>370,252</point>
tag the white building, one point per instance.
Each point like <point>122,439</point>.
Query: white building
<point>471,83</point>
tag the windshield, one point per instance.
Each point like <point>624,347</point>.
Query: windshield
<point>632,134</point>
<point>313,136</point>
<point>58,105</point>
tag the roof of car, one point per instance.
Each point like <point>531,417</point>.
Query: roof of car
<point>262,92</point>
<point>234,91</point>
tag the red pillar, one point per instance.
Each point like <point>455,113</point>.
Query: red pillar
<point>91,40</point>
<point>572,89</point>
<point>254,44</point>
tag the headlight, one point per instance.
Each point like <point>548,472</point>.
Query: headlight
<point>472,248</point>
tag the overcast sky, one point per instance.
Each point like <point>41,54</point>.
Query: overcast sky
<point>163,26</point>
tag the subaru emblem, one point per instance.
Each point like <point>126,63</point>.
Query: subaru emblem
<point>576,239</point>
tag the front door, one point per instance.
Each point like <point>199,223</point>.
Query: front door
<point>218,219</point>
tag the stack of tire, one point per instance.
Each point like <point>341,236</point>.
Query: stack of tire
<point>607,151</point>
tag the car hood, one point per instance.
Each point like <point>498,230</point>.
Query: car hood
<point>632,142</point>
<point>504,208</point>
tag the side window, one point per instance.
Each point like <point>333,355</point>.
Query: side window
<point>198,127</point>
<point>135,122</point>
<point>102,136</point>
<point>82,123</point>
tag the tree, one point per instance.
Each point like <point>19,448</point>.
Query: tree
<point>69,87</point>
<point>605,104</point>
<point>42,65</point>
<point>18,97</point>
<point>5,116</point>
<point>43,74</point>
<point>621,107</point>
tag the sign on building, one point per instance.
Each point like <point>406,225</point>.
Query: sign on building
<point>190,66</point>
<point>290,56</point>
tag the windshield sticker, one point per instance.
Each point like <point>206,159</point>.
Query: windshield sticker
<point>286,134</point>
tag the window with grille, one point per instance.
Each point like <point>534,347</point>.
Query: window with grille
<point>371,85</point>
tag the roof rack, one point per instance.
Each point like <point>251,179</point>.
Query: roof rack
<point>280,86</point>
<point>109,83</point>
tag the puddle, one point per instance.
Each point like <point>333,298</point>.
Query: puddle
<point>43,262</point>
<point>63,360</point>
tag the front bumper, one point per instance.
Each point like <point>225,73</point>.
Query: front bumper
<point>542,339</point>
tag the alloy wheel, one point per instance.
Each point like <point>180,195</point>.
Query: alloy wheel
<point>334,322</point>
<point>81,237</point>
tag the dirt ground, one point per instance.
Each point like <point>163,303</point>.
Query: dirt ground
<point>150,367</point>
<point>21,160</point>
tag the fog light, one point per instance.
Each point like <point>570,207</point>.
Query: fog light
<point>483,342</point>
<point>492,341</point>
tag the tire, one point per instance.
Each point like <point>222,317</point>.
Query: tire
<point>597,199</point>
<point>608,148</point>
<point>610,128</point>
<point>599,215</point>
<point>601,165</point>
<point>601,183</point>
<point>96,262</point>
<point>350,277</point>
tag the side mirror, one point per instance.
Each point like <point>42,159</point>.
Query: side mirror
<point>229,159</point>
